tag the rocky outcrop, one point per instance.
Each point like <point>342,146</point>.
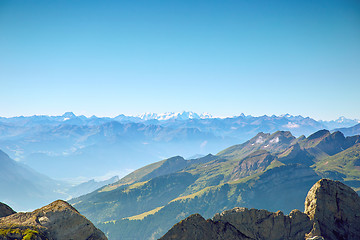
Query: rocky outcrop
<point>197,228</point>
<point>334,209</point>
<point>243,223</point>
<point>273,225</point>
<point>56,221</point>
<point>332,212</point>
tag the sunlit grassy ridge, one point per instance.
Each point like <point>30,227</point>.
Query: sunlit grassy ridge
<point>346,162</point>
<point>145,214</point>
<point>134,176</point>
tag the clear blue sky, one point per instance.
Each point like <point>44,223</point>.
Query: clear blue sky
<point>221,57</point>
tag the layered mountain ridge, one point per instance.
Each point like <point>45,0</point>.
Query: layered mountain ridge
<point>95,146</point>
<point>270,171</point>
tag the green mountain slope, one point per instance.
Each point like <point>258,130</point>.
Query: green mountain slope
<point>251,193</point>
<point>295,154</point>
<point>164,167</point>
<point>344,166</point>
<point>271,171</point>
<point>106,205</point>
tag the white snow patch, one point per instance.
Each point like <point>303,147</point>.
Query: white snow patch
<point>259,140</point>
<point>275,140</point>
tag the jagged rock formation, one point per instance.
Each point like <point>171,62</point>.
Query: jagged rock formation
<point>5,210</point>
<point>273,225</point>
<point>56,221</point>
<point>332,212</point>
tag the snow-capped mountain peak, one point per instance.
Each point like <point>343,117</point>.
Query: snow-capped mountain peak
<point>184,115</point>
<point>148,116</point>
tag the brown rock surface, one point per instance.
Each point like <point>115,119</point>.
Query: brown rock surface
<point>335,210</point>
<point>332,212</point>
<point>5,210</point>
<point>58,221</point>
<point>262,224</point>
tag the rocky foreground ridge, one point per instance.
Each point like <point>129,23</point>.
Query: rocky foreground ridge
<point>56,221</point>
<point>332,212</point>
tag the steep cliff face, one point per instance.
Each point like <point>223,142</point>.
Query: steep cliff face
<point>57,221</point>
<point>332,211</point>
<point>5,210</point>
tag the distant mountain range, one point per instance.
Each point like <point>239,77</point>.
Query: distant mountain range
<point>269,171</point>
<point>71,118</point>
<point>97,147</point>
